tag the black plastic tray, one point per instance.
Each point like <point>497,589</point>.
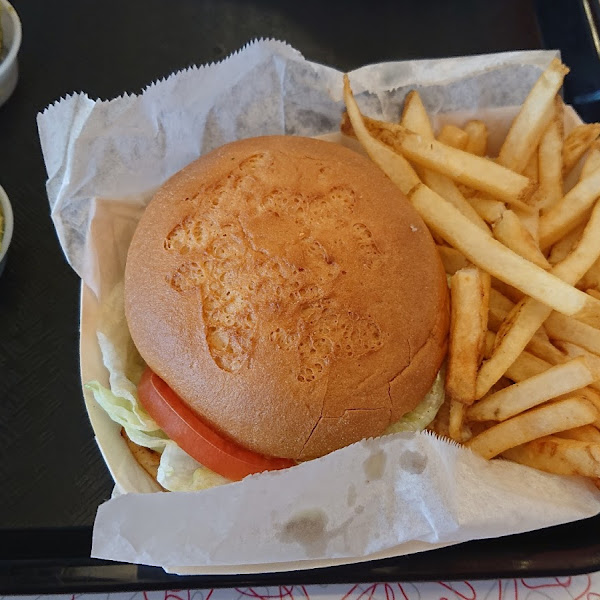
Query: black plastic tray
<point>37,561</point>
<point>51,473</point>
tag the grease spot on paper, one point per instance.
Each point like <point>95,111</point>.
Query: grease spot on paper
<point>309,529</point>
<point>374,465</point>
<point>413,462</point>
<point>351,495</point>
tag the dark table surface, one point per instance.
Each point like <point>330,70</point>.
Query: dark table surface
<point>51,473</point>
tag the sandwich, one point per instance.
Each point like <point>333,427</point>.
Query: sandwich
<point>287,301</point>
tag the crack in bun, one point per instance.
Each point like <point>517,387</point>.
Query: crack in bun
<point>288,292</point>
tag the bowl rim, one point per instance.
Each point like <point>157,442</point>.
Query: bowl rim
<point>9,59</point>
<point>8,222</point>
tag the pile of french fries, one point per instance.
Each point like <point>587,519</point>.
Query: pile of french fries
<point>521,252</point>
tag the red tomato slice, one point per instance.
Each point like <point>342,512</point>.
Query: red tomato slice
<point>198,439</point>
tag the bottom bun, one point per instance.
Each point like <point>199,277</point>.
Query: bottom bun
<point>147,458</point>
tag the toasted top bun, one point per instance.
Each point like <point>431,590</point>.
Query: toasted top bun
<point>289,293</point>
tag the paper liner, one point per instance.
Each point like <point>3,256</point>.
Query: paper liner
<point>104,161</point>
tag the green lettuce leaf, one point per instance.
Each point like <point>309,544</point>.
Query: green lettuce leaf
<point>419,418</point>
<point>177,470</point>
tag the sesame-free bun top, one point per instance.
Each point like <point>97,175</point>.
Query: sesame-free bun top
<point>288,292</point>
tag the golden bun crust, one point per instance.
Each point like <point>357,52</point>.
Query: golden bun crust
<point>289,293</point>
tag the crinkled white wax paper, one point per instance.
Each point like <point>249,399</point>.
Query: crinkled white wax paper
<point>385,497</point>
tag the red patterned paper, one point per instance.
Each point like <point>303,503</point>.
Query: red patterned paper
<point>582,587</point>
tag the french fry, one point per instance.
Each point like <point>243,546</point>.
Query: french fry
<point>474,171</point>
<point>466,191</point>
<point>454,136</point>
<point>566,329</point>
<point>585,253</point>
<point>531,171</point>
<point>417,120</point>
<point>531,223</point>
<point>528,127</point>
<point>539,356</point>
<point>487,208</point>
<point>494,258</point>
<point>518,252</point>
<point>535,423</point>
<point>377,129</point>
<point>500,301</point>
<point>512,293</point>
<point>591,279</point>
<point>542,347</point>
<point>448,190</point>
<point>457,429</point>
<point>577,143</point>
<point>585,433</point>
<point>594,293</point>
<point>510,231</point>
<point>394,165</point>
<point>572,350</point>
<point>565,245</point>
<point>452,259</point>
<point>529,315</point>
<point>503,312</point>
<point>525,366</point>
<point>497,314</point>
<point>556,381</point>
<point>569,351</point>
<point>592,394</point>
<point>484,305</point>
<point>478,135</point>
<point>511,343</point>
<point>570,211</point>
<point>469,292</point>
<point>592,162</point>
<point>415,117</point>
<point>346,124</point>
<point>539,345</point>
<point>557,455</point>
<point>502,383</point>
<point>490,338</point>
<point>536,359</point>
<point>515,333</point>
<point>550,189</point>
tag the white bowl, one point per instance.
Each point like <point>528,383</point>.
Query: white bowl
<point>11,30</point>
<point>6,209</point>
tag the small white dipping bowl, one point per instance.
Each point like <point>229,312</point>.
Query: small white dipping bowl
<point>11,42</point>
<point>7,213</point>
